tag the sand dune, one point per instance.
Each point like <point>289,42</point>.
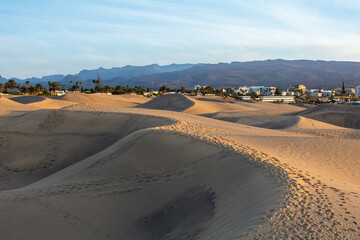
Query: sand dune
<point>298,122</point>
<point>226,109</point>
<point>7,104</point>
<point>99,99</point>
<point>178,176</point>
<point>249,113</point>
<point>28,99</point>
<point>49,103</point>
<point>171,102</point>
<point>38,102</point>
<point>206,105</point>
<point>341,115</point>
<point>130,98</point>
<point>107,171</point>
<point>51,140</point>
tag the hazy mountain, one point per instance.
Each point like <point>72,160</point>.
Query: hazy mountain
<point>118,73</point>
<point>280,73</point>
<point>128,72</point>
<point>52,78</point>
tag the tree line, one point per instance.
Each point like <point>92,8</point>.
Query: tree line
<point>52,87</point>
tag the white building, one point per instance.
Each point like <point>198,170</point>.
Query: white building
<point>285,99</point>
<point>246,98</point>
<point>357,91</point>
<point>257,89</point>
<point>60,93</point>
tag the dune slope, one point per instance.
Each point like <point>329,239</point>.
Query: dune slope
<point>179,188</point>
<point>7,104</point>
<point>99,99</point>
<point>41,143</point>
<point>92,171</point>
<point>171,102</point>
<point>297,122</point>
<point>340,115</point>
<point>28,99</point>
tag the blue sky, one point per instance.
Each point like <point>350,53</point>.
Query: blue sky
<point>39,37</point>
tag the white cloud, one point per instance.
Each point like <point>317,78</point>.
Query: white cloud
<point>97,57</point>
<point>68,36</point>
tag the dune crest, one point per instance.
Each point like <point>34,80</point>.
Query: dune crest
<point>108,170</point>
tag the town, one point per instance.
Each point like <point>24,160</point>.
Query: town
<point>293,94</point>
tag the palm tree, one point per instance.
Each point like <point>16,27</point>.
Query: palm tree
<point>94,82</point>
<point>1,87</point>
<point>39,87</point>
<point>12,85</point>
<point>163,89</point>
<point>7,86</point>
<point>182,90</point>
<point>98,85</point>
<point>54,86</point>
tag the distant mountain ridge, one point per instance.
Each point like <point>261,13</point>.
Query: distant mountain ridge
<point>125,72</point>
<point>280,73</point>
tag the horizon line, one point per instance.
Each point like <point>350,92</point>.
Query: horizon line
<point>199,63</point>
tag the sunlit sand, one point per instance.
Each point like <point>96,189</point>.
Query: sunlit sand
<point>177,167</point>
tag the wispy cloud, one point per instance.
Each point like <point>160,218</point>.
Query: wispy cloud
<point>71,35</point>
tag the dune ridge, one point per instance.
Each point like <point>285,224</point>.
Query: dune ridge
<point>104,100</point>
<point>10,105</point>
<point>172,102</point>
<point>298,122</point>
<point>165,173</point>
<point>340,115</point>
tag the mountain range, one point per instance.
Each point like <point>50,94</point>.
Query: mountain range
<point>279,73</point>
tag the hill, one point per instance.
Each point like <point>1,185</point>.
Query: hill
<point>114,76</point>
<point>279,73</point>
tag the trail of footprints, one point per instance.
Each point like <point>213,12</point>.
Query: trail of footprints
<point>109,186</point>
<point>49,157</point>
<point>4,142</point>
<point>60,213</point>
<point>307,210</point>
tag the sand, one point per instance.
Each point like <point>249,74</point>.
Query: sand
<point>341,115</point>
<point>102,169</point>
<point>105,100</point>
<point>7,104</point>
<point>172,102</point>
